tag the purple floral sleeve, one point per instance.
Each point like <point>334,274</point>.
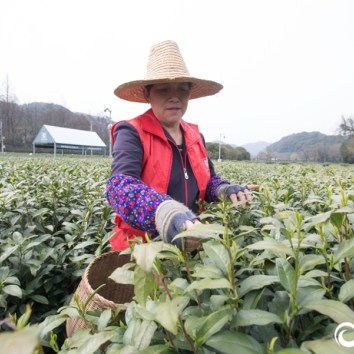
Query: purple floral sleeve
<point>134,201</point>
<point>212,187</point>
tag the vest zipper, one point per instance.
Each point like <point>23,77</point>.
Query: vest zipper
<point>185,173</point>
<point>184,166</point>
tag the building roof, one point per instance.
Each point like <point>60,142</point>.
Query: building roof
<point>49,135</point>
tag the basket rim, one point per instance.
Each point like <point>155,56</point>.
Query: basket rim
<point>97,298</point>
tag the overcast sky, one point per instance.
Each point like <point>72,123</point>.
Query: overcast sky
<point>287,66</point>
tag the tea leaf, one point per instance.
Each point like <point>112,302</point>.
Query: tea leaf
<point>145,254</point>
<point>143,285</point>
<point>203,231</point>
<point>309,295</point>
<point>346,291</point>
<point>166,313</point>
<point>276,246</point>
<point>13,290</point>
<point>310,261</point>
<point>345,249</point>
<point>207,271</point>
<point>217,301</point>
<point>255,317</point>
<point>50,323</point>
<point>40,299</point>
<point>103,320</point>
<point>145,334</point>
<point>23,320</point>
<point>325,346</point>
<point>337,219</point>
<point>8,253</point>
<point>213,324</point>
<point>227,342</point>
<point>94,342</point>
<point>24,341</point>
<point>122,276</point>
<point>286,274</point>
<point>292,351</point>
<point>209,284</point>
<point>336,310</point>
<point>158,349</point>
<point>218,255</point>
<point>317,219</point>
<point>255,282</point>
<point>84,244</point>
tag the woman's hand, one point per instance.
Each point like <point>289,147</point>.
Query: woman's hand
<point>172,218</point>
<point>191,243</point>
<point>239,195</point>
<point>243,197</point>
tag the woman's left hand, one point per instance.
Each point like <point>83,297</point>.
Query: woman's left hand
<point>243,197</point>
<point>239,195</point>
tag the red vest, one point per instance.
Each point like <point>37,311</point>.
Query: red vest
<point>157,161</point>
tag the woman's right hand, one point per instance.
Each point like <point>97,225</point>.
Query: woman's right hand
<point>191,243</point>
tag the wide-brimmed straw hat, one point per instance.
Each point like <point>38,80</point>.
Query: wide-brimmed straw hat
<point>165,64</point>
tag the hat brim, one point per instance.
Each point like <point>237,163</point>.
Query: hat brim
<point>134,90</point>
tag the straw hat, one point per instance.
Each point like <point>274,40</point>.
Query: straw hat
<point>165,64</point>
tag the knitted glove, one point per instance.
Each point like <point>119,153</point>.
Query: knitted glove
<point>228,189</point>
<point>170,219</point>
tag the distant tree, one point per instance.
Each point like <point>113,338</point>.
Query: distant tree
<point>213,150</point>
<point>242,154</point>
<point>321,153</point>
<point>262,155</point>
<point>347,150</point>
<point>8,112</point>
<point>294,156</point>
<point>305,154</point>
<point>346,127</point>
<point>227,152</point>
<point>269,153</point>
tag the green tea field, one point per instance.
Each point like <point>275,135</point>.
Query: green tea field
<point>274,277</point>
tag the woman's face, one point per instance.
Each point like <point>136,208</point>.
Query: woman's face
<point>169,101</point>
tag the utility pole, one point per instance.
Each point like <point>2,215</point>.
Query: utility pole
<point>91,131</point>
<point>219,159</point>
<point>109,130</point>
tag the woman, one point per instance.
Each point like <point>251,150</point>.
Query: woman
<point>161,173</point>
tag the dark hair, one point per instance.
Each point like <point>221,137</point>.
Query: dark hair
<point>148,87</point>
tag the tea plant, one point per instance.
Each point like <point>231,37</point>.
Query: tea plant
<point>276,277</point>
<point>54,220</point>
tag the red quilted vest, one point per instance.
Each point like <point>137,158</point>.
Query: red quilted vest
<point>157,165</point>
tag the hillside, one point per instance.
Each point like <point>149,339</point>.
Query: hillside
<point>300,141</point>
<point>255,148</point>
<point>307,146</point>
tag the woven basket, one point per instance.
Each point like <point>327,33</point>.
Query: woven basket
<point>110,296</point>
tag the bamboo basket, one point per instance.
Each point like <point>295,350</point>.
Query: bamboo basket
<point>110,296</point>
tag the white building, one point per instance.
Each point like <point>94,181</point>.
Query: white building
<point>68,139</point>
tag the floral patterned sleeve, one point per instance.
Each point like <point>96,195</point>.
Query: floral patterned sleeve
<point>212,187</point>
<point>134,201</point>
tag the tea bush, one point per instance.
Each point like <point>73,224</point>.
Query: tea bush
<point>276,277</point>
<point>54,220</point>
